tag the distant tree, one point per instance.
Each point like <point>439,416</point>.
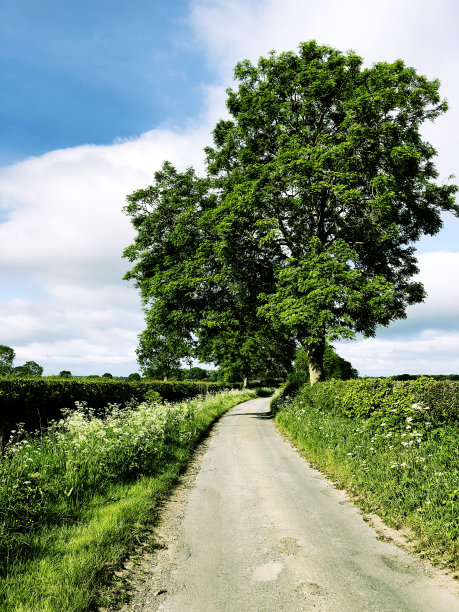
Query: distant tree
<point>404,377</point>
<point>195,373</point>
<point>134,376</point>
<point>65,374</point>
<point>7,356</point>
<point>337,367</point>
<point>30,368</point>
<point>107,375</point>
<point>214,375</point>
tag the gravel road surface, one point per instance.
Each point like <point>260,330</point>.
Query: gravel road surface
<point>258,530</point>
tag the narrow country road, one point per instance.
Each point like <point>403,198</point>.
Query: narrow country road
<point>263,532</point>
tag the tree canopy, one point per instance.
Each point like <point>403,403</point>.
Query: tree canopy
<point>196,304</point>
<point>302,231</point>
<point>7,356</point>
<point>334,366</point>
<point>29,368</point>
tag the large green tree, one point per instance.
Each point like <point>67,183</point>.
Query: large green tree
<point>197,304</point>
<point>323,173</point>
<point>302,232</point>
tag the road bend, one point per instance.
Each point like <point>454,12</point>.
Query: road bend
<point>262,531</point>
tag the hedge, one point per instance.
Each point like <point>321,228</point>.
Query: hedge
<point>382,398</point>
<point>36,401</point>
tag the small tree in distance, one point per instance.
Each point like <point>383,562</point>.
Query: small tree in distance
<point>30,368</point>
<point>194,373</point>
<point>7,356</point>
<point>134,376</point>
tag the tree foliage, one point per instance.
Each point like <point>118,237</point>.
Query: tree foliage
<point>194,373</point>
<point>302,232</point>
<point>29,368</point>
<point>134,376</point>
<point>7,356</point>
<point>334,366</point>
<point>195,304</point>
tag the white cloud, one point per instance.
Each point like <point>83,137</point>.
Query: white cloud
<point>429,352</point>
<point>427,340</point>
<point>439,272</point>
<point>420,32</point>
<point>88,334</point>
<point>65,234</point>
<point>65,207</point>
<point>85,357</point>
<point>235,29</point>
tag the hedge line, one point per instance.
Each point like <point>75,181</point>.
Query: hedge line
<point>381,398</point>
<point>36,401</point>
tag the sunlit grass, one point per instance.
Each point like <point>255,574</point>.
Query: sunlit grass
<point>406,471</point>
<point>75,500</point>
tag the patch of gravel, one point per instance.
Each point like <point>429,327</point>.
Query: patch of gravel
<point>145,573</point>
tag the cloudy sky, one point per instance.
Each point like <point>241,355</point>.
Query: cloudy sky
<point>95,95</point>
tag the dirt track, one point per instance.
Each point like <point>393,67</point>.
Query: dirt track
<point>258,530</point>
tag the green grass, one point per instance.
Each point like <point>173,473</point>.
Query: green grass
<point>75,501</point>
<point>405,470</point>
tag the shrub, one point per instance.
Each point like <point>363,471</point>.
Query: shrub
<point>264,391</point>
<point>384,399</point>
<point>35,402</point>
<point>49,480</point>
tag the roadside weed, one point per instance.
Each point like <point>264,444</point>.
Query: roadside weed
<point>73,499</point>
<point>395,463</point>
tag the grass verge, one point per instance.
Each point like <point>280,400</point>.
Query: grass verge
<point>407,472</point>
<point>59,560</point>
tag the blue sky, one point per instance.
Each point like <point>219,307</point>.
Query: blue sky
<point>95,95</point>
<point>87,72</point>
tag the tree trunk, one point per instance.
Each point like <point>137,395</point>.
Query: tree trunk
<point>244,383</point>
<point>316,362</point>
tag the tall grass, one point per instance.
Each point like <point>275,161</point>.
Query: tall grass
<point>70,499</point>
<point>399,467</point>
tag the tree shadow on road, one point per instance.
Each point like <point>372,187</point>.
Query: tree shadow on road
<point>255,415</point>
